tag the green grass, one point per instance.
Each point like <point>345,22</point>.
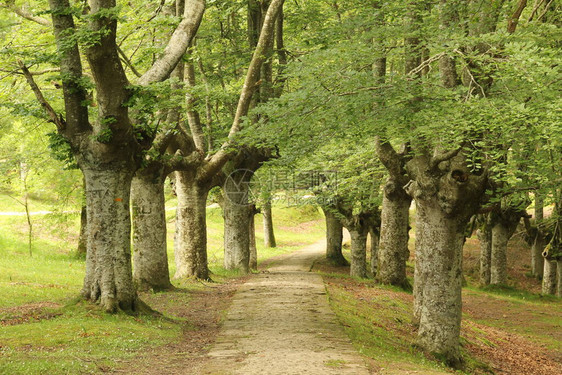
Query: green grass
<point>82,339</point>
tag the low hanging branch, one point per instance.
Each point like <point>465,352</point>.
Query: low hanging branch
<point>53,116</point>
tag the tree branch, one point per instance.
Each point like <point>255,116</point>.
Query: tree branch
<point>193,118</point>
<point>71,69</point>
<point>218,160</point>
<point>53,116</point>
<point>436,159</point>
<point>514,19</point>
<point>178,44</point>
<point>388,156</point>
<point>128,62</point>
<point>10,4</point>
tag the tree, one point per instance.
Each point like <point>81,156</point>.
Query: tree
<point>108,151</point>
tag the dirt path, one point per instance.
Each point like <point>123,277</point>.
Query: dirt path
<point>280,323</point>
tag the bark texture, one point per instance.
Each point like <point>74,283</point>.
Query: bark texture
<point>108,279</point>
<point>237,221</point>
<point>83,238</point>
<point>190,241</point>
<point>334,238</point>
<point>549,279</point>
<point>501,233</point>
<point>253,248</point>
<point>559,278</point>
<point>268,232</point>
<point>446,196</point>
<point>150,250</point>
<point>393,247</point>
<point>358,253</point>
<point>484,235</point>
<point>374,236</point>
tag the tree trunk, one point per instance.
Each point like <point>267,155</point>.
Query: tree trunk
<point>190,241</point>
<point>393,247</point>
<point>501,233</point>
<point>253,248</point>
<point>537,260</point>
<point>334,239</point>
<point>83,237</point>
<point>375,240</point>
<point>358,253</point>
<point>108,279</point>
<point>237,222</point>
<point>485,237</point>
<point>559,278</point>
<point>150,252</point>
<point>439,243</point>
<point>549,279</point>
<point>268,233</point>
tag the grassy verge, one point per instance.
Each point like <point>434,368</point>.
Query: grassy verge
<point>504,330</point>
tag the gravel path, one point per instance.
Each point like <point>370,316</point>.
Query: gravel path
<point>280,322</point>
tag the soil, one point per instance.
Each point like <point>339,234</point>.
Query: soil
<point>29,312</point>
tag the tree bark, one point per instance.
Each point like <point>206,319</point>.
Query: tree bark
<point>439,243</point>
<point>268,233</point>
<point>253,249</point>
<point>83,237</point>
<point>549,279</point>
<point>236,222</point>
<point>108,279</point>
<point>446,196</point>
<point>393,247</point>
<point>501,233</point>
<point>375,240</point>
<point>537,260</point>
<point>485,237</point>
<point>190,241</point>
<point>358,253</point>
<point>559,278</point>
<point>334,239</point>
<point>150,251</point>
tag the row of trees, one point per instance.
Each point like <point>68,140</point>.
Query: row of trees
<point>425,98</point>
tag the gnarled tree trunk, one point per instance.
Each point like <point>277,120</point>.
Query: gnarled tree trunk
<point>559,278</point>
<point>393,247</point>
<point>150,256</point>
<point>334,238</point>
<point>190,241</point>
<point>446,196</point>
<point>108,279</point>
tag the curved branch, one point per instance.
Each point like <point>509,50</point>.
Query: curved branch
<point>179,41</point>
<point>10,4</point>
<point>218,160</point>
